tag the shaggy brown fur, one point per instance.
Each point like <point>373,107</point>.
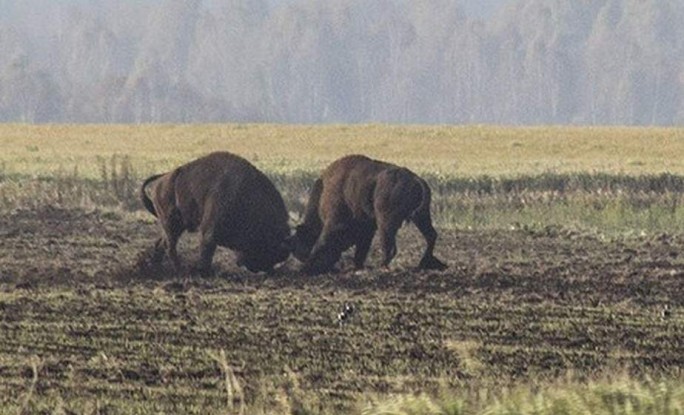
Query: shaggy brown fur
<point>229,201</point>
<point>354,197</point>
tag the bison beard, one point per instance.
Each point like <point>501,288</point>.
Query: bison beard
<point>354,197</point>
<point>229,201</point>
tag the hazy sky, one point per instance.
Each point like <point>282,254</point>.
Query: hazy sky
<point>479,8</point>
<point>475,8</point>
<point>482,8</point>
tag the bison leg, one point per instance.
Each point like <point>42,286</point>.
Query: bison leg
<point>171,244</point>
<point>363,244</point>
<point>208,243</point>
<point>388,239</point>
<point>158,252</point>
<point>173,228</point>
<point>423,222</point>
<point>207,250</point>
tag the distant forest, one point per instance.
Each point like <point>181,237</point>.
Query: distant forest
<point>310,61</point>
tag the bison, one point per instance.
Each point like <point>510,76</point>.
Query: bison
<point>229,201</point>
<point>354,197</point>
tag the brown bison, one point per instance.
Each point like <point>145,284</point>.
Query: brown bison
<point>355,196</point>
<point>229,201</point>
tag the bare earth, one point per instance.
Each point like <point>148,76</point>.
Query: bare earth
<point>77,292</point>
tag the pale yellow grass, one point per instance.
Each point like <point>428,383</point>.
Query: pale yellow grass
<point>448,150</point>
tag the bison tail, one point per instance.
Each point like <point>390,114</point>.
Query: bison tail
<point>146,201</point>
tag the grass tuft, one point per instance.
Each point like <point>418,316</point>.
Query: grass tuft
<point>623,395</point>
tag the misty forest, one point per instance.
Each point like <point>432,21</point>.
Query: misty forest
<point>304,61</point>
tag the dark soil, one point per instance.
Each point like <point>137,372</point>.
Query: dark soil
<point>79,296</point>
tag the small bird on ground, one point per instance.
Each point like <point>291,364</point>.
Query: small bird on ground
<point>346,313</point>
<point>666,312</point>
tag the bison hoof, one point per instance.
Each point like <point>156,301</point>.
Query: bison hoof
<point>203,272</point>
<point>316,270</point>
<point>432,263</point>
<point>311,271</point>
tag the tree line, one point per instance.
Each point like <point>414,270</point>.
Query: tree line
<point>307,61</point>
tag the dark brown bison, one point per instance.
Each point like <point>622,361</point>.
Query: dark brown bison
<point>229,201</point>
<point>355,196</point>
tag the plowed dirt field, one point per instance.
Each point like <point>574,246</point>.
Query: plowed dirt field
<point>84,318</point>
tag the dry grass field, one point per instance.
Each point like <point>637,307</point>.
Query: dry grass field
<point>563,295</point>
<point>468,151</point>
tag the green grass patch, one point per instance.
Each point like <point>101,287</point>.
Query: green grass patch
<point>596,202</point>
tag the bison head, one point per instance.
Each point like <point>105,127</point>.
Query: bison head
<point>302,242</point>
<point>322,259</point>
<point>318,257</point>
<point>262,260</point>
